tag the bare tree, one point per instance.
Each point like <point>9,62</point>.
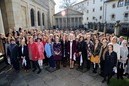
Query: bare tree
<point>65,4</point>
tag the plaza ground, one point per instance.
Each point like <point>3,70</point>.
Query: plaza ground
<point>62,77</point>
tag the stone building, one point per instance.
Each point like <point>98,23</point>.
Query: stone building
<point>68,18</point>
<point>103,11</point>
<point>26,14</point>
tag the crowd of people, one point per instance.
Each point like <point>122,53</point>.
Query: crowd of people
<point>34,49</point>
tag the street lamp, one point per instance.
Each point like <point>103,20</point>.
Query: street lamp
<point>63,13</point>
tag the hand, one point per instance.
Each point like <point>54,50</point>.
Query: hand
<point>22,57</point>
<point>80,53</point>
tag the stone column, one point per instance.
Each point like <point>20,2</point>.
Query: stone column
<point>13,10</point>
<point>36,17</point>
<point>28,16</point>
<point>70,23</point>
<point>73,22</point>
<point>62,22</point>
<point>1,24</point>
<point>78,21</point>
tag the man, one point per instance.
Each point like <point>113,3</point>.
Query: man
<point>12,53</point>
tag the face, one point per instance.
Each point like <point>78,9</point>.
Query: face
<point>114,40</point>
<point>96,41</point>
<point>31,40</point>
<point>38,40</point>
<point>104,42</point>
<point>57,39</point>
<point>22,42</point>
<point>110,48</point>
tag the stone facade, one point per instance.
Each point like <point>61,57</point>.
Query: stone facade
<point>22,13</point>
<point>68,18</point>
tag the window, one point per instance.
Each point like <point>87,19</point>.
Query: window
<point>93,10</point>
<point>87,18</point>
<point>101,8</point>
<point>87,3</point>
<point>93,18</point>
<point>120,3</point>
<point>114,5</point>
<point>43,18</point>
<point>87,11</point>
<point>32,17</point>
<point>126,15</point>
<point>93,1</point>
<point>126,2</point>
<point>39,23</point>
<point>113,17</point>
<point>100,17</point>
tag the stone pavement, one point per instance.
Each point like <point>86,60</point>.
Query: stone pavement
<point>62,77</point>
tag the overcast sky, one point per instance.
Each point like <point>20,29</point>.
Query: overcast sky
<point>58,2</point>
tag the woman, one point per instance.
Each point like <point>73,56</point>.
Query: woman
<point>110,63</point>
<point>90,48</point>
<point>57,52</point>
<point>82,47</point>
<point>34,54</point>
<point>103,50</point>
<point>123,59</point>
<point>64,44</point>
<point>49,53</point>
<point>13,54</point>
<point>23,52</point>
<point>40,52</point>
<point>71,50</point>
<point>95,56</point>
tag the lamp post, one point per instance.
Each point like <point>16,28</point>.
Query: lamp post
<point>63,13</point>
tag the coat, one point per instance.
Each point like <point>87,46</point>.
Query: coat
<point>40,50</point>
<point>74,49</point>
<point>57,48</point>
<point>25,54</point>
<point>64,48</point>
<point>82,47</point>
<point>13,54</point>
<point>33,51</point>
<point>110,62</point>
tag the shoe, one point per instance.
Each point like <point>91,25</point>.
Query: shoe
<point>38,71</point>
<point>103,81</point>
<point>34,70</point>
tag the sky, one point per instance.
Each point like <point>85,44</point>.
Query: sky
<point>58,3</point>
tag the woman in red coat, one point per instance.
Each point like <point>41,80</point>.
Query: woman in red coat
<point>34,54</point>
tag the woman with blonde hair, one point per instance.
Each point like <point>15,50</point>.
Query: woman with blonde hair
<point>71,49</point>
<point>23,53</point>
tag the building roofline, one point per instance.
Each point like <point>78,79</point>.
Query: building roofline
<point>68,9</point>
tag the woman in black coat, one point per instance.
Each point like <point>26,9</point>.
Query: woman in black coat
<point>23,52</point>
<point>110,63</point>
<point>64,44</point>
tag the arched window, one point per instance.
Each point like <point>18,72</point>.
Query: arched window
<point>32,17</point>
<point>43,18</point>
<point>120,3</point>
<point>39,23</point>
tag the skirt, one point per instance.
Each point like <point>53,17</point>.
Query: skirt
<point>95,59</point>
